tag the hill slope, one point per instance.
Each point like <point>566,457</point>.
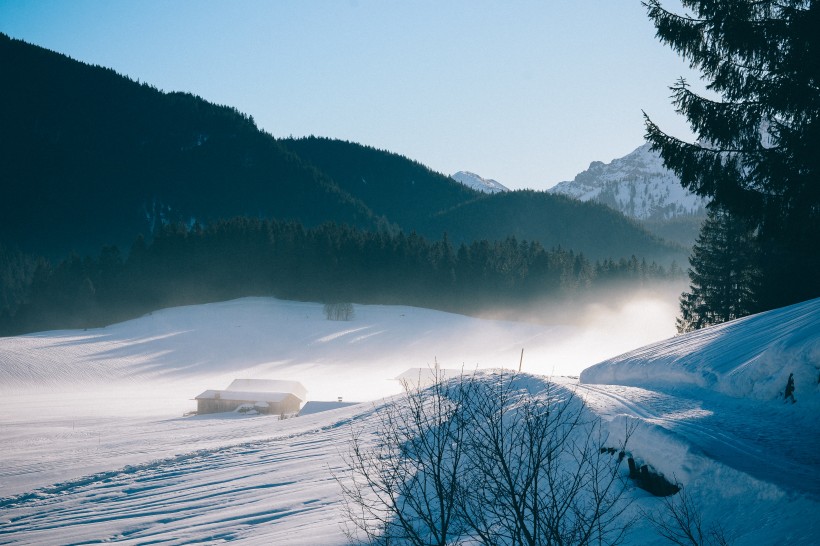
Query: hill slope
<point>390,185</point>
<point>750,357</point>
<point>202,344</point>
<point>722,389</point>
<point>89,157</point>
<point>554,220</point>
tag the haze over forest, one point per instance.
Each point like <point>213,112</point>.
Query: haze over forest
<point>175,201</point>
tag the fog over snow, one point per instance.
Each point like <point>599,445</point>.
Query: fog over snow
<point>95,447</point>
<point>189,349</point>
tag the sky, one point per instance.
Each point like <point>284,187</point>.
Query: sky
<point>527,93</point>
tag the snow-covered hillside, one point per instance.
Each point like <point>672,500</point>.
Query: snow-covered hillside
<point>95,447</point>
<point>750,358</point>
<point>207,346</point>
<point>474,181</point>
<point>713,414</point>
<point>638,185</point>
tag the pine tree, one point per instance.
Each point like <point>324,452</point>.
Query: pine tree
<point>757,150</point>
<point>723,275</point>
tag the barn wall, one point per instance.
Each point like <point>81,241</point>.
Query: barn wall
<point>218,405</point>
<point>289,405</point>
<point>292,404</point>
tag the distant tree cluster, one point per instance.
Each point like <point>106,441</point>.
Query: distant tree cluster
<point>756,155</point>
<point>338,311</point>
<point>330,263</point>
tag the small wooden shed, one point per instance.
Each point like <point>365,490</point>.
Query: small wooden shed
<point>264,395</point>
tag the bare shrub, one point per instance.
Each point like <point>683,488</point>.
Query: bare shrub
<point>680,522</point>
<point>404,488</point>
<point>536,471</point>
<point>484,460</point>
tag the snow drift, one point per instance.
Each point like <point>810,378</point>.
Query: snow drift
<point>747,358</point>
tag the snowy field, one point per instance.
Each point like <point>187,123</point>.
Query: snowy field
<point>95,446</point>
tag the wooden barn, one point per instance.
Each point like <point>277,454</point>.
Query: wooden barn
<point>266,396</point>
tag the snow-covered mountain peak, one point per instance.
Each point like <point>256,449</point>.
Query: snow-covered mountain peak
<point>637,185</point>
<point>476,182</point>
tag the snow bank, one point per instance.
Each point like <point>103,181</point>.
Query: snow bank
<point>747,358</point>
<point>710,413</point>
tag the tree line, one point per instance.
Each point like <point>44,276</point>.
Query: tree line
<point>245,256</point>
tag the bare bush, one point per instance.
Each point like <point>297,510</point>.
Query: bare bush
<point>404,488</point>
<point>680,522</point>
<point>485,461</point>
<point>536,471</point>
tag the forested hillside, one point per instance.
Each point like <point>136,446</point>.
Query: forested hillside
<point>417,199</point>
<point>392,186</point>
<point>597,230</point>
<point>90,157</point>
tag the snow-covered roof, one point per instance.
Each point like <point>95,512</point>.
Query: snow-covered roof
<point>249,396</point>
<point>269,385</point>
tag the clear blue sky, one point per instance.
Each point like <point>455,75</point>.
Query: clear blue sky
<point>526,92</point>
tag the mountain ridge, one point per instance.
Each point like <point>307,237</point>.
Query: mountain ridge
<point>637,184</point>
<point>92,158</point>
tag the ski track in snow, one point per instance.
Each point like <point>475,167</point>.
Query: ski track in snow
<point>211,495</point>
<point>760,441</point>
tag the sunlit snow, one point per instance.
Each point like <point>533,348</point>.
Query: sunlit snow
<point>96,448</point>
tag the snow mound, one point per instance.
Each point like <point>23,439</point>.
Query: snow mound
<point>710,413</point>
<point>750,357</point>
